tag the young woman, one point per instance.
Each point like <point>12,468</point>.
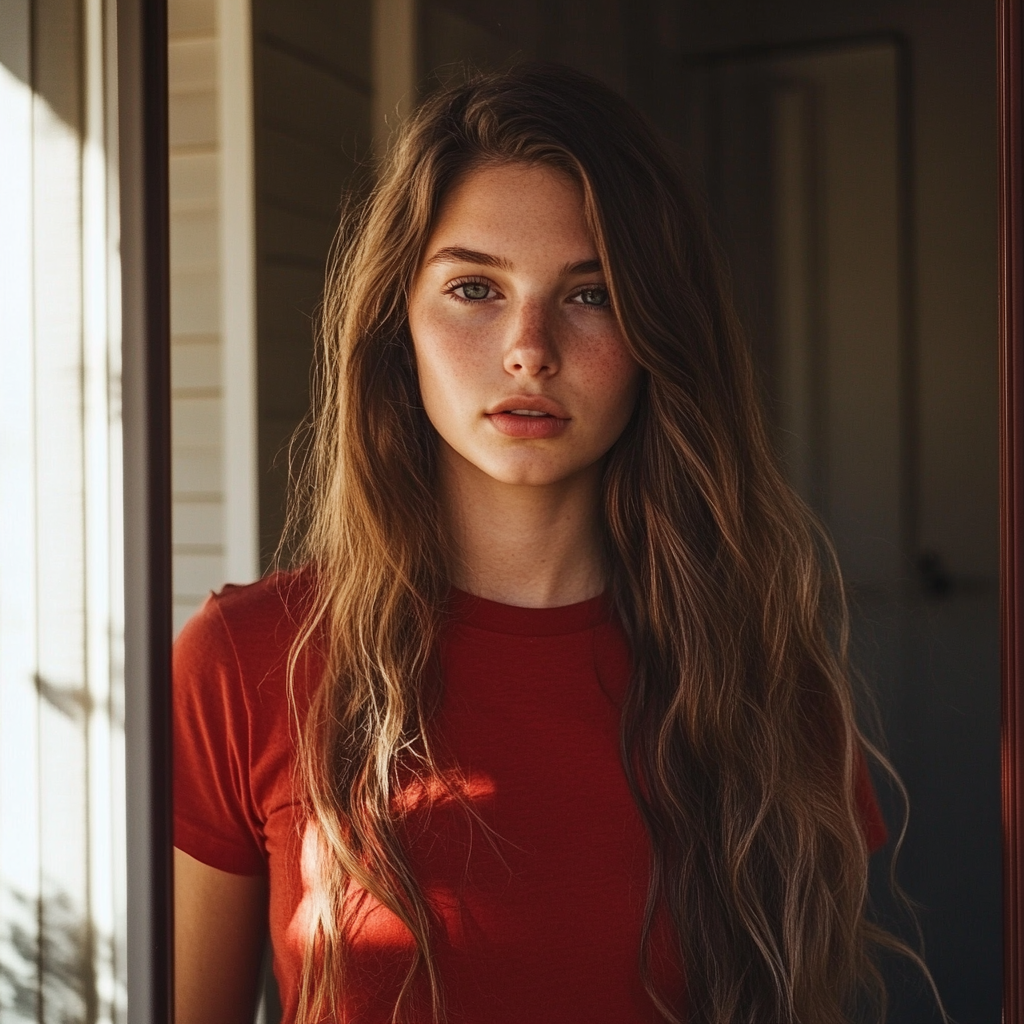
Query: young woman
<point>552,721</point>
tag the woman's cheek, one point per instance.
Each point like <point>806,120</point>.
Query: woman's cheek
<point>610,374</point>
<point>449,362</point>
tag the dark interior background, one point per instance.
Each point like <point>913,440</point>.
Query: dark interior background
<point>890,430</point>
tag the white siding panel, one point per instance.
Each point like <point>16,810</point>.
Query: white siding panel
<point>60,509</point>
<point>195,363</point>
<point>193,181</point>
<point>62,829</point>
<point>104,697</point>
<point>195,575</point>
<point>190,18</point>
<point>198,523</point>
<point>210,250</point>
<point>19,808</point>
<point>196,407</point>
<point>192,65</point>
<point>195,470</point>
<point>193,119</point>
<point>195,302</point>
<point>394,46</point>
<point>194,242</point>
<point>195,421</point>
<point>238,288</point>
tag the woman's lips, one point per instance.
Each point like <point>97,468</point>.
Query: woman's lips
<point>528,423</point>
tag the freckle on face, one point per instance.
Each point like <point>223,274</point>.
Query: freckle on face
<point>521,231</point>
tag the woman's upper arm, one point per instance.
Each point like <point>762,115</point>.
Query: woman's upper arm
<point>220,926</point>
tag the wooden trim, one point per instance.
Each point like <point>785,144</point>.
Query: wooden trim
<point>237,216</point>
<point>146,391</point>
<point>396,39</point>
<point>1011,452</point>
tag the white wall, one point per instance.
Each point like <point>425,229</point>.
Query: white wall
<point>212,320</point>
<point>62,821</point>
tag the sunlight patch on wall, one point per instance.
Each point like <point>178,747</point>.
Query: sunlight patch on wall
<point>62,828</point>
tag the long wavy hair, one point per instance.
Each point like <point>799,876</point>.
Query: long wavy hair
<point>739,736</point>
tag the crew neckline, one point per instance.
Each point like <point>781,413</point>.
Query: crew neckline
<point>495,617</point>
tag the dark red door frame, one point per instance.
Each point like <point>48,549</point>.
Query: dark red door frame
<point>1011,460</point>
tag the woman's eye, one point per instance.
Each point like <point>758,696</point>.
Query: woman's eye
<point>592,296</point>
<point>472,290</point>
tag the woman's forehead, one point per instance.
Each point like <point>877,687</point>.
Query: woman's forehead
<point>514,212</point>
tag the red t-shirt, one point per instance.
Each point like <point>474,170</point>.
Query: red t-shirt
<point>541,921</point>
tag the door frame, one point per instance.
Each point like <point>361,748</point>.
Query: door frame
<point>146,410</point>
<point>1011,497</point>
<point>142,97</point>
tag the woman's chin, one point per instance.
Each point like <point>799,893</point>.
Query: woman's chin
<point>531,472</point>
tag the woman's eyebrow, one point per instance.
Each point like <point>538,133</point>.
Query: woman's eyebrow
<point>460,254</point>
<point>583,267</point>
<point>457,254</point>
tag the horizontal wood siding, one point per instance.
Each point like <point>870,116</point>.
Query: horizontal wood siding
<point>312,113</point>
<point>196,412</point>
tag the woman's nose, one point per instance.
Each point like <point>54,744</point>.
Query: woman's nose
<point>531,348</point>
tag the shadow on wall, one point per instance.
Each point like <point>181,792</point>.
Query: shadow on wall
<point>51,958</point>
<point>55,964</point>
<point>50,64</point>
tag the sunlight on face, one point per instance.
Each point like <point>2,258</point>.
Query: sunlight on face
<point>522,365</point>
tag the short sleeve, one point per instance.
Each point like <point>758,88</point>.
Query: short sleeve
<point>215,817</point>
<point>875,832</point>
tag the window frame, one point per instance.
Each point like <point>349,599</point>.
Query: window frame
<point>146,409</point>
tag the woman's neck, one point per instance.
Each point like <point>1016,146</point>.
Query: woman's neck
<point>525,545</point>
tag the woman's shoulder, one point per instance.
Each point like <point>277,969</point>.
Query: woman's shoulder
<point>280,596</point>
<point>248,629</point>
<point>277,602</point>
<point>232,745</point>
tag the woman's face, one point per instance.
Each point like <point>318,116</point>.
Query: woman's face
<point>522,366</point>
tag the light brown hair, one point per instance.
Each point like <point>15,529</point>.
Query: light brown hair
<point>739,735</point>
